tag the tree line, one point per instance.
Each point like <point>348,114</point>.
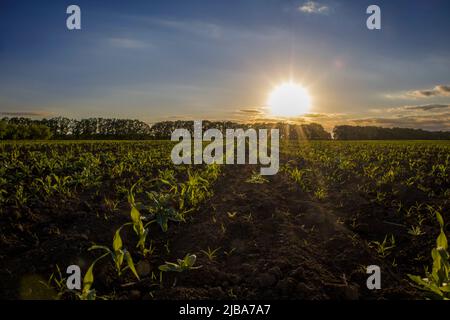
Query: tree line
<point>18,131</point>
<point>378,133</point>
<point>100,128</point>
<point>311,131</point>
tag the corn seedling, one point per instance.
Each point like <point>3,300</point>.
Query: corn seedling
<point>437,282</point>
<point>320,193</point>
<point>223,228</point>
<point>118,254</point>
<point>86,292</point>
<point>139,228</point>
<point>211,254</point>
<point>230,252</point>
<point>232,215</point>
<point>110,205</point>
<point>256,178</point>
<point>383,248</point>
<point>193,191</point>
<point>187,263</point>
<point>161,210</point>
<point>167,246</point>
<point>57,282</point>
<point>415,231</point>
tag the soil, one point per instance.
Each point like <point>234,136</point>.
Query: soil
<point>273,241</point>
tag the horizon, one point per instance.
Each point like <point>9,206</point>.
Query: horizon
<point>328,129</point>
<point>168,61</point>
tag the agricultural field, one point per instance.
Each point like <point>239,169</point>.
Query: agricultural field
<point>141,227</point>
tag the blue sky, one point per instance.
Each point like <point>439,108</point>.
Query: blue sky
<point>209,59</point>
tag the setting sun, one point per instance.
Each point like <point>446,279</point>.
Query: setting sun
<point>288,100</point>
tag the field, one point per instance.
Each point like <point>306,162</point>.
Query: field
<point>142,228</point>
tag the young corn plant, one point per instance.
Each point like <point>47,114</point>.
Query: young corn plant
<point>118,254</point>
<point>211,254</point>
<point>415,231</point>
<point>139,228</point>
<point>232,215</point>
<point>187,263</point>
<point>57,282</point>
<point>21,199</point>
<point>193,191</point>
<point>320,193</point>
<point>167,177</point>
<point>436,284</point>
<point>384,248</point>
<point>300,177</point>
<point>87,293</point>
<point>110,204</point>
<point>162,210</point>
<point>256,178</point>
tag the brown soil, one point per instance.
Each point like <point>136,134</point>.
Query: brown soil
<point>280,244</point>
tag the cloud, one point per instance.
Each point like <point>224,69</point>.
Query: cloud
<point>313,7</point>
<point>127,43</point>
<point>416,109</point>
<point>427,122</point>
<point>25,114</point>
<point>437,91</point>
<point>315,115</point>
<point>429,107</point>
<point>250,111</point>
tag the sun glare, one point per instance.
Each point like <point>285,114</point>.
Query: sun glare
<point>288,100</point>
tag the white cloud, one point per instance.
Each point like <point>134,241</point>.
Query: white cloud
<point>127,43</point>
<point>314,8</point>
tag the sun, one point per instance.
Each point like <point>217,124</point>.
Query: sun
<point>289,99</point>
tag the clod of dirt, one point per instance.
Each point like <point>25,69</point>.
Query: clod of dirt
<point>265,280</point>
<point>276,271</point>
<point>286,286</point>
<point>143,268</point>
<point>342,291</point>
<point>135,294</point>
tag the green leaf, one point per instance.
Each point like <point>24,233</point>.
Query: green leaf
<point>130,264</point>
<point>442,240</point>
<point>440,219</point>
<point>190,259</point>
<point>164,268</point>
<point>88,279</point>
<point>162,220</point>
<point>418,280</point>
<point>96,247</point>
<point>170,266</point>
<point>135,215</point>
<point>117,241</point>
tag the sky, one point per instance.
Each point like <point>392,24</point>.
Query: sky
<point>219,60</point>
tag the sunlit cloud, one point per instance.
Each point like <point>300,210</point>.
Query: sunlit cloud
<point>427,122</point>
<point>313,7</point>
<point>437,91</point>
<point>407,108</point>
<point>250,111</point>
